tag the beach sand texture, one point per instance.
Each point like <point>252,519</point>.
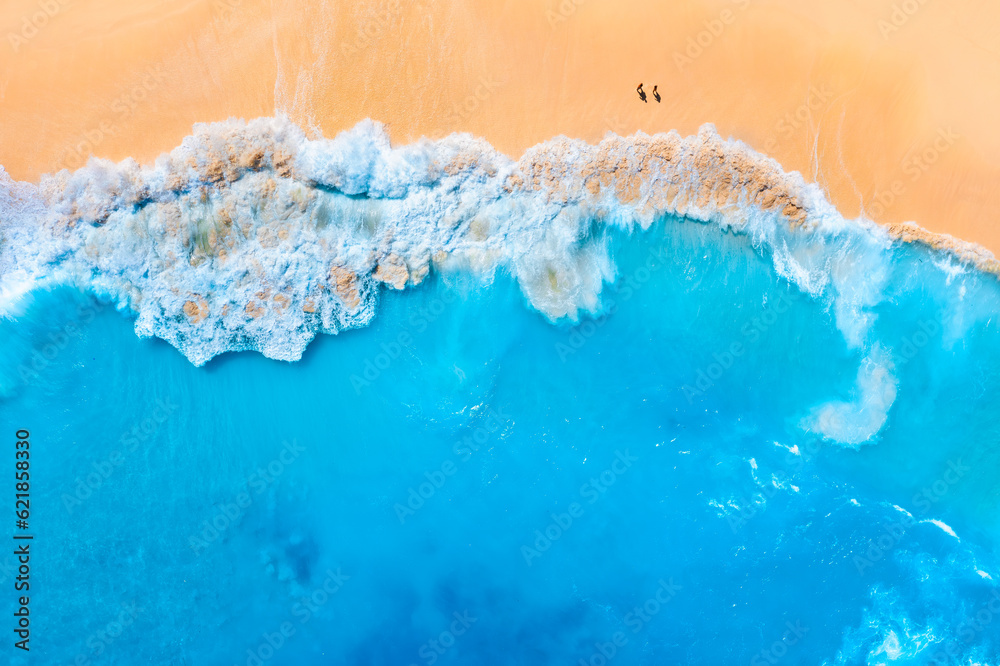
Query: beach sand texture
<point>889,105</point>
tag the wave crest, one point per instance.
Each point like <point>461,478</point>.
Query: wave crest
<point>249,235</point>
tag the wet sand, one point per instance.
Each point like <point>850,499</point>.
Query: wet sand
<point>889,105</point>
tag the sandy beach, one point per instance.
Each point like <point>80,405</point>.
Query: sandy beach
<point>889,106</point>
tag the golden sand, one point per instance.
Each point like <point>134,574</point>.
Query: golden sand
<point>888,105</point>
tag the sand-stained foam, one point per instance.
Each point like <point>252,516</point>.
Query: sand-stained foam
<point>251,236</point>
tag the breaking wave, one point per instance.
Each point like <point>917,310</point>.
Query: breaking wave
<point>251,236</point>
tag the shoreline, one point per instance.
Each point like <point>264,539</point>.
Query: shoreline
<point>757,171</point>
<point>199,244</point>
<point>887,113</point>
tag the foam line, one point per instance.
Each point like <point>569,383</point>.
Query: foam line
<point>251,236</point>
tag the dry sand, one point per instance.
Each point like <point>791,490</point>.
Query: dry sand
<point>890,105</point>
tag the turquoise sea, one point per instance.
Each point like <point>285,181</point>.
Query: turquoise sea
<point>703,468</point>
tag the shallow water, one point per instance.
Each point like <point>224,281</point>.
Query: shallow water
<point>707,473</point>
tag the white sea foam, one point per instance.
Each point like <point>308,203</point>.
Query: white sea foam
<point>857,420</point>
<point>944,527</point>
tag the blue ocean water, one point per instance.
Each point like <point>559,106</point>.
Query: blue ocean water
<point>466,482</point>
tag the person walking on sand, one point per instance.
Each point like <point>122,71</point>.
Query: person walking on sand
<point>656,95</point>
<point>642,93</point>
